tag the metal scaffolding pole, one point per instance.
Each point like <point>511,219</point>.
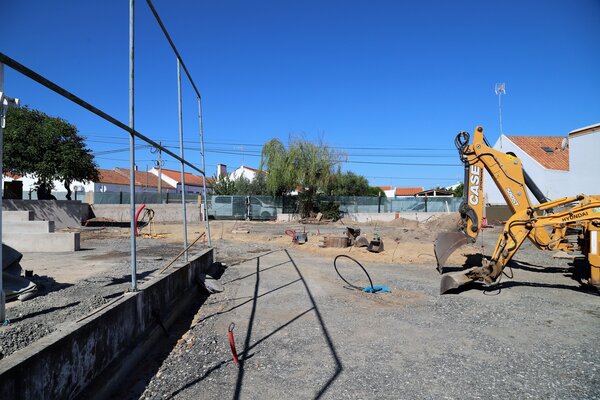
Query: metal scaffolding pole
<point>2,121</point>
<point>79,101</point>
<point>5,102</point>
<point>204,198</point>
<point>181,155</point>
<point>132,149</point>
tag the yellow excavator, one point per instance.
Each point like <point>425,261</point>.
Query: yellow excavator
<point>570,224</point>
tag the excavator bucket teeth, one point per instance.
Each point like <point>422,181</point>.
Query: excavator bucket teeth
<point>453,280</point>
<point>445,244</point>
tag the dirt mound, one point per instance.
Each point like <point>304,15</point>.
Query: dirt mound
<point>443,222</point>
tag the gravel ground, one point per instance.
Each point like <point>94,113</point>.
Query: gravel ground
<point>59,301</point>
<point>302,334</point>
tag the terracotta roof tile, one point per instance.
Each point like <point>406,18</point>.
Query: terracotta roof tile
<point>407,191</point>
<point>551,158</point>
<point>143,178</point>
<point>111,176</point>
<point>190,179</point>
<point>385,187</point>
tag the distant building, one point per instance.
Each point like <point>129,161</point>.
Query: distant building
<point>407,191</point>
<point>246,172</point>
<point>193,183</point>
<point>561,166</point>
<point>435,193</point>
<point>117,180</point>
<point>387,190</point>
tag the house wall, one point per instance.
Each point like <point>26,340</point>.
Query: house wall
<point>246,173</point>
<point>552,183</point>
<point>584,159</point>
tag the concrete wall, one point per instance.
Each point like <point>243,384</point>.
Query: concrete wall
<point>162,212</point>
<point>64,213</point>
<point>69,361</point>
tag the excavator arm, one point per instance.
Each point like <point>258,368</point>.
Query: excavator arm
<point>539,223</point>
<point>507,173</point>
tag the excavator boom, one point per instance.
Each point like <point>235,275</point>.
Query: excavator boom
<point>544,227</point>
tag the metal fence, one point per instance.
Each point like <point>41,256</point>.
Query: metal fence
<point>267,207</point>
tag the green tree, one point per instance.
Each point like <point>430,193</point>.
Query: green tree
<point>349,184</point>
<point>48,148</point>
<point>223,185</point>
<point>304,165</point>
<point>458,191</point>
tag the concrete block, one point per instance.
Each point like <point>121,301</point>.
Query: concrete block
<point>20,216</point>
<point>64,213</point>
<point>27,226</point>
<point>42,242</point>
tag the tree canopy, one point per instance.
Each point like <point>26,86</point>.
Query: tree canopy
<point>48,148</point>
<point>307,166</point>
<point>224,185</point>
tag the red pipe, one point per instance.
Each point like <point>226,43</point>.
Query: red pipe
<point>232,344</point>
<point>137,214</point>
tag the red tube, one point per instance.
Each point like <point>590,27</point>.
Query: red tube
<point>232,344</point>
<point>137,214</point>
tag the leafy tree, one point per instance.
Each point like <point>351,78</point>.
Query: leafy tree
<point>241,186</point>
<point>224,185</point>
<point>349,184</point>
<point>304,165</point>
<point>48,148</point>
<point>375,191</point>
<point>458,191</point>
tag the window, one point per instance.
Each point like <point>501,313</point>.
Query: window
<point>547,149</point>
<point>223,200</point>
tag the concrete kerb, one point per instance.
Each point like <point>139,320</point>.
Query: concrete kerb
<point>79,356</point>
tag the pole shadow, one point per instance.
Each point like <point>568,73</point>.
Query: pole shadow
<point>247,347</point>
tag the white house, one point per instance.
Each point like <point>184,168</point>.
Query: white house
<point>246,172</point>
<point>560,166</point>
<point>193,183</point>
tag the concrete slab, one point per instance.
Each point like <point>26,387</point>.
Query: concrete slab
<point>27,226</point>
<point>42,242</point>
<point>17,216</point>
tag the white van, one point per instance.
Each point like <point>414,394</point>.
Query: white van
<point>240,207</point>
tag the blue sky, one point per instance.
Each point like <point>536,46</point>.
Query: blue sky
<point>388,82</point>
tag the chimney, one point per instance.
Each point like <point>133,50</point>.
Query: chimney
<point>221,170</point>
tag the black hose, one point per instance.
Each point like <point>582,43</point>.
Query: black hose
<point>360,265</point>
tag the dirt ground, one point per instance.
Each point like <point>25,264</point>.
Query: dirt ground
<point>303,333</point>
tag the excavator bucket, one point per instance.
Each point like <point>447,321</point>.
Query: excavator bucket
<point>445,244</point>
<point>454,280</point>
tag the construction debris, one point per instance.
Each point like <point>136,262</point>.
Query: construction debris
<point>376,245</point>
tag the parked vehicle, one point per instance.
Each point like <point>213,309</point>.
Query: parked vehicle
<point>240,207</point>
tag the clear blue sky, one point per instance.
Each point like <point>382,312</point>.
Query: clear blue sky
<point>387,75</point>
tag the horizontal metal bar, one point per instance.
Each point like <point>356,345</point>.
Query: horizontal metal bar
<point>77,100</point>
<point>162,26</point>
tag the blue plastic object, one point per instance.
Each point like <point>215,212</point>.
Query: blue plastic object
<point>377,289</point>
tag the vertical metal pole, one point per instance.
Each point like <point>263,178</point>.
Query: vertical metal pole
<point>132,150</point>
<point>160,173</point>
<point>181,155</point>
<point>2,116</point>
<point>204,198</point>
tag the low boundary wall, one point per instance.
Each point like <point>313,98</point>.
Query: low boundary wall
<point>70,360</point>
<point>64,213</point>
<point>162,212</point>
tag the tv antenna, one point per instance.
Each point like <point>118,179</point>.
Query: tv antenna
<point>500,90</point>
